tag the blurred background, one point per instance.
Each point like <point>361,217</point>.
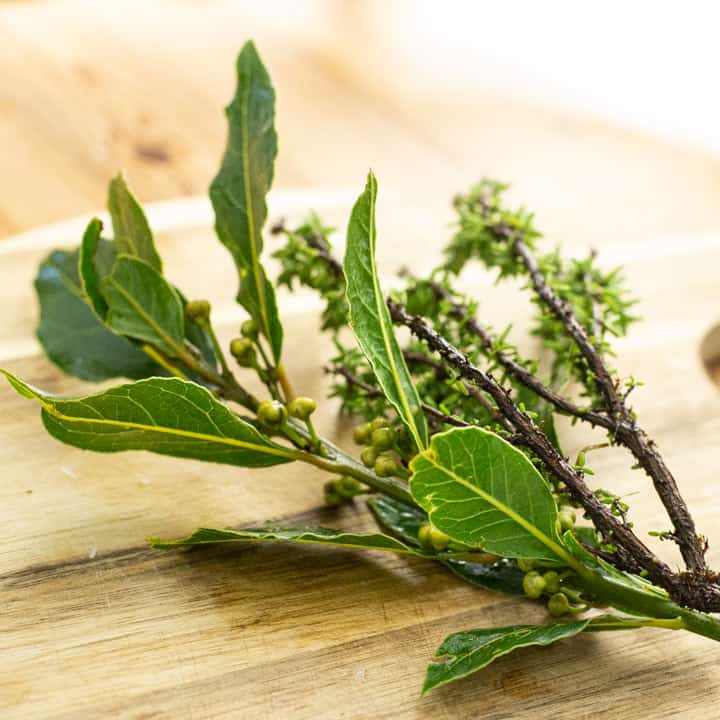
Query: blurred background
<point>590,111</point>
<point>138,85</point>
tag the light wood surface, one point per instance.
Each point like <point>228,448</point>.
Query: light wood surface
<point>93,624</point>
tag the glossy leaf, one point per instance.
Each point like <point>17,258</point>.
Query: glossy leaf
<point>316,536</point>
<point>143,305</point>
<point>130,226</point>
<point>484,492</point>
<point>404,522</point>
<point>90,278</point>
<point>464,653</point>
<point>168,416</point>
<point>396,517</point>
<point>370,319</point>
<point>502,576</point>
<point>239,189</point>
<point>467,652</point>
<point>72,335</point>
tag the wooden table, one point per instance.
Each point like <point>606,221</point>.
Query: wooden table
<point>92,622</point>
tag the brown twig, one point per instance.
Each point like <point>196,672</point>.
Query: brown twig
<point>626,431</point>
<point>703,596</point>
<point>517,370</point>
<point>618,419</point>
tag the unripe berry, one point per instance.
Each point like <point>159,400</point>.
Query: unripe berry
<point>361,434</point>
<point>243,351</point>
<point>272,413</point>
<point>438,539</point>
<point>379,422</point>
<point>567,518</point>
<point>382,438</point>
<point>534,584</point>
<point>347,486</point>
<point>385,466</point>
<point>332,497</point>
<point>424,536</point>
<point>558,605</point>
<point>552,582</point>
<point>302,407</point>
<point>197,310</point>
<point>525,565</point>
<point>368,456</point>
<point>249,329</point>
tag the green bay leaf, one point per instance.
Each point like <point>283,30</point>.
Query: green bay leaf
<point>311,535</point>
<point>143,305</point>
<point>464,653</point>
<point>72,335</point>
<point>168,416</point>
<point>239,189</point>
<point>370,319</point>
<point>130,226</point>
<point>484,492</point>
<point>90,277</point>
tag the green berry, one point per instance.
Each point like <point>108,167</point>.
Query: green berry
<point>525,565</point>
<point>383,438</point>
<point>558,605</point>
<point>379,422</point>
<point>347,486</point>
<point>552,582</point>
<point>534,584</point>
<point>272,413</point>
<point>361,434</point>
<point>385,466</point>
<point>438,539</point>
<point>581,459</point>
<point>302,407</point>
<point>368,456</point>
<point>332,497</point>
<point>567,518</point>
<point>243,350</point>
<point>249,329</point>
<point>198,310</point>
<point>424,536</point>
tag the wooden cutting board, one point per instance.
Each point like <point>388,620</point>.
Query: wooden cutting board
<point>93,624</point>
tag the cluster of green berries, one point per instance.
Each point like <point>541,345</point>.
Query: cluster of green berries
<point>243,348</point>
<point>430,538</point>
<point>342,490</point>
<point>273,414</point>
<point>435,540</point>
<point>566,518</point>
<point>379,439</point>
<point>198,310</point>
<point>536,584</point>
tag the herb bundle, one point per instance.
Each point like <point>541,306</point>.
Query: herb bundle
<point>457,454</point>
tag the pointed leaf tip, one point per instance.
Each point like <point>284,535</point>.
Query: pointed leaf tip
<point>370,319</point>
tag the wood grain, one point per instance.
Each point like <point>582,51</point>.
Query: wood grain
<point>93,623</point>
